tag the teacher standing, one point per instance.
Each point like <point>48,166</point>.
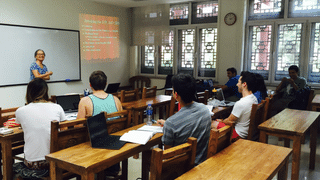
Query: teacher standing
<point>38,69</point>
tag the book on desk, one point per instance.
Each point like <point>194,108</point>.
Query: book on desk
<point>141,135</point>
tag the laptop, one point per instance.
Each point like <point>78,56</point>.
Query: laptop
<point>112,88</point>
<point>69,104</point>
<point>99,136</point>
<point>220,97</point>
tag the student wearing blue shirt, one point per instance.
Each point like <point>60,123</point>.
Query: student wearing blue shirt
<point>37,68</point>
<point>230,89</point>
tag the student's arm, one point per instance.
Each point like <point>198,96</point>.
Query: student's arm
<point>118,103</point>
<point>231,120</point>
<point>45,76</point>
<point>82,108</point>
<point>280,86</point>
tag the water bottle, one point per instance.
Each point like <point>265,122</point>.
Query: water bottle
<point>149,114</point>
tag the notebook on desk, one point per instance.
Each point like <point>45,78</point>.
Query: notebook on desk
<point>99,136</point>
<point>69,104</point>
<point>112,88</point>
<point>220,97</point>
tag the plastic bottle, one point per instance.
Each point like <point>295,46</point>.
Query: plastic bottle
<point>149,111</point>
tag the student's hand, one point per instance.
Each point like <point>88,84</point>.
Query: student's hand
<point>284,79</point>
<point>214,124</point>
<point>50,73</point>
<point>291,81</point>
<point>161,122</point>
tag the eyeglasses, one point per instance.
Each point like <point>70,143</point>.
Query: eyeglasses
<point>40,54</point>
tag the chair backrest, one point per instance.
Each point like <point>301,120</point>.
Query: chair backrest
<point>122,122</point>
<point>53,98</point>
<point>172,162</point>
<point>8,110</point>
<point>139,82</point>
<point>219,139</point>
<point>149,92</point>
<point>266,109</point>
<point>311,96</point>
<point>127,96</point>
<point>203,97</point>
<point>68,133</point>
<point>256,118</point>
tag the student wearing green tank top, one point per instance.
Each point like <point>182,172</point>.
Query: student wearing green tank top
<point>99,100</point>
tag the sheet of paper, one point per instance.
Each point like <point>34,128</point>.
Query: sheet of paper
<point>155,129</point>
<point>139,137</point>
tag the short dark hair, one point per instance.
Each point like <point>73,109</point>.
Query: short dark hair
<point>294,67</point>
<point>261,86</point>
<point>35,53</point>
<point>98,80</point>
<point>185,86</point>
<point>250,79</point>
<point>37,89</point>
<point>232,70</point>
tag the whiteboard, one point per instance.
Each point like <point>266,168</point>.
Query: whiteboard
<point>19,43</point>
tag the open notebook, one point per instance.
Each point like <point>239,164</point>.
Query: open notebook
<point>141,135</point>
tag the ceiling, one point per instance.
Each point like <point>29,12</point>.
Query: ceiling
<point>137,3</point>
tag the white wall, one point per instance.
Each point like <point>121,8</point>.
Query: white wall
<point>64,14</point>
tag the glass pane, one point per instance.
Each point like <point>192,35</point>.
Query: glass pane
<point>259,51</point>
<point>179,14</point>
<point>186,51</point>
<point>288,49</point>
<point>166,59</point>
<point>147,59</point>
<point>207,9</point>
<point>304,8</point>
<point>266,9</point>
<point>208,52</point>
<point>314,72</point>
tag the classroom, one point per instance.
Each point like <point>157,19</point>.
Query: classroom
<point>231,46</point>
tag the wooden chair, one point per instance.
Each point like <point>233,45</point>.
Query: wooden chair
<point>127,96</point>
<point>118,124</point>
<point>149,92</point>
<point>203,97</point>
<point>219,139</point>
<point>311,96</point>
<point>139,82</point>
<point>256,118</point>
<point>172,162</point>
<point>53,98</point>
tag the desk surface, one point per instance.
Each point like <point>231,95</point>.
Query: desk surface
<point>143,103</point>
<point>83,158</point>
<point>290,121</point>
<point>241,160</point>
<point>316,100</point>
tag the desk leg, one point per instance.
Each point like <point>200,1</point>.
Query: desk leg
<point>55,172</point>
<point>161,112</point>
<point>146,155</point>
<point>87,176</point>
<point>135,118</point>
<point>296,157</point>
<point>283,172</point>
<point>7,159</point>
<point>263,137</point>
<point>124,172</point>
<point>286,142</point>
<point>313,144</point>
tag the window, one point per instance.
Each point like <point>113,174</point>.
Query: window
<point>266,9</point>
<point>273,45</point>
<point>185,49</point>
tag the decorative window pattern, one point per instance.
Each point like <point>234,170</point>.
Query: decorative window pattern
<point>266,9</point>
<point>205,12</point>
<point>186,51</point>
<point>148,59</point>
<point>179,14</point>
<point>166,59</point>
<point>208,52</point>
<point>288,48</point>
<point>259,49</point>
<point>304,8</point>
<point>314,73</point>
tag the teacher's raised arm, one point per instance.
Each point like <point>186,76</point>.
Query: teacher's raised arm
<point>38,69</point>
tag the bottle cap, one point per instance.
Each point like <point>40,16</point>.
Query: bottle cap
<point>149,104</point>
<point>214,90</point>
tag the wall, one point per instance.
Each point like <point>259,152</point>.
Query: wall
<point>64,14</point>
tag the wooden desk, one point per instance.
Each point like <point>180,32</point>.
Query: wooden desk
<point>6,150</point>
<point>293,124</point>
<point>315,104</point>
<point>140,105</point>
<point>243,160</point>
<point>84,160</point>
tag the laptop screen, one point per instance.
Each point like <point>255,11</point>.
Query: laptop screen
<point>112,88</point>
<point>220,95</point>
<point>69,103</point>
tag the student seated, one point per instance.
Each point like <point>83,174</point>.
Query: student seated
<point>240,115</point>
<point>230,88</point>
<point>193,119</point>
<point>287,90</point>
<point>261,92</point>
<point>35,119</point>
<point>99,100</point>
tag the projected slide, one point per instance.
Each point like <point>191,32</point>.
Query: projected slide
<point>99,37</point>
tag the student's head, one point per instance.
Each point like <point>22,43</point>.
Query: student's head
<point>184,85</point>
<point>39,52</point>
<point>37,90</point>
<point>293,71</point>
<point>231,72</point>
<point>261,85</point>
<point>98,80</point>
<point>247,81</point>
